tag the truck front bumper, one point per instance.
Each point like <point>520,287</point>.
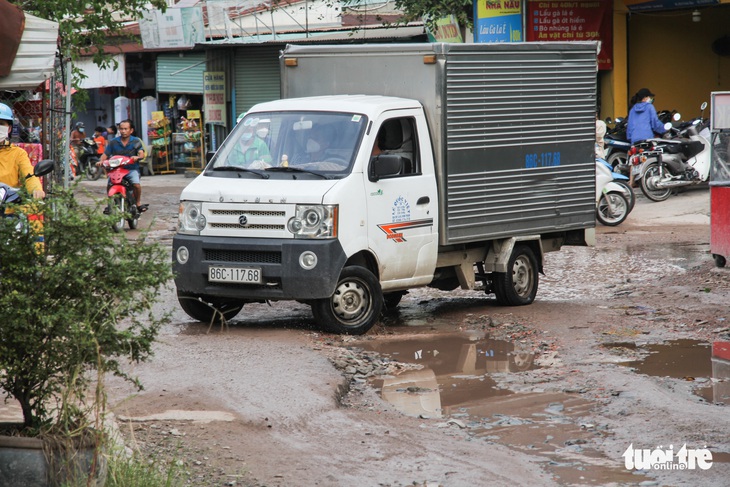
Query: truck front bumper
<point>278,260</point>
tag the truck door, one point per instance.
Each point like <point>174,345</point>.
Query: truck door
<point>403,208</point>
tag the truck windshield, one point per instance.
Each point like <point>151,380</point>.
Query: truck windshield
<point>316,143</point>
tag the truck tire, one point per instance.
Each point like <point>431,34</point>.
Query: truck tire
<point>517,286</point>
<point>209,311</point>
<point>354,307</point>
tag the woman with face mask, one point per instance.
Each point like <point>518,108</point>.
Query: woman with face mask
<point>15,165</point>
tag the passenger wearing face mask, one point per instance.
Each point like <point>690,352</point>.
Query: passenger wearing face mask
<point>15,165</point>
<point>253,149</point>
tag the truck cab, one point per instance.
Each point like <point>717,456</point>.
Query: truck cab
<point>302,190</point>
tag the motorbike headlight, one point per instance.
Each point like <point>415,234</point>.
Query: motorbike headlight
<point>191,220</point>
<point>314,221</point>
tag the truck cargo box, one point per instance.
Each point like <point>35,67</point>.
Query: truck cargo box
<point>513,125</point>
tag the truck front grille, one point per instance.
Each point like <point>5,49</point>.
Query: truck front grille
<point>243,256</point>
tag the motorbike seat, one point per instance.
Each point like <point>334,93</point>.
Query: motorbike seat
<point>691,148</point>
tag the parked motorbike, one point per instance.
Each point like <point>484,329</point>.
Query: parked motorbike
<point>621,180</point>
<point>667,164</point>
<point>88,157</point>
<point>122,203</point>
<point>618,145</point>
<point>612,199</point>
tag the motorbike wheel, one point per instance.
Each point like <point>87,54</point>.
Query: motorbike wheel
<point>612,208</point>
<point>720,261</point>
<point>93,172</point>
<point>354,307</point>
<point>209,311</point>
<point>135,215</point>
<point>517,286</point>
<point>116,208</point>
<point>630,190</point>
<point>648,182</point>
<point>618,161</point>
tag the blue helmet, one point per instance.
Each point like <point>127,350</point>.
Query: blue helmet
<point>6,113</point>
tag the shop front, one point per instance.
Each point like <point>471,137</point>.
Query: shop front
<point>177,126</point>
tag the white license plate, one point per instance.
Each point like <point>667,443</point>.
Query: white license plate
<point>636,170</point>
<point>245,275</point>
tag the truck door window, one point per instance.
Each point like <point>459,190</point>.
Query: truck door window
<point>397,136</point>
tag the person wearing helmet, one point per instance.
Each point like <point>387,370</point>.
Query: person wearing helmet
<point>15,166</point>
<point>78,134</point>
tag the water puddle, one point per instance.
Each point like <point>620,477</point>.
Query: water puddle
<point>706,364</point>
<point>457,385</point>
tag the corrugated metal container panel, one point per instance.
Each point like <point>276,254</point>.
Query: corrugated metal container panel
<point>520,132</point>
<point>258,78</point>
<point>180,74</point>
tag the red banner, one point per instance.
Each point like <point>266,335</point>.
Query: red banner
<point>584,20</point>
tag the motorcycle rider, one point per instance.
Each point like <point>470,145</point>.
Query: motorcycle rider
<point>15,165</point>
<point>128,145</point>
<point>643,121</point>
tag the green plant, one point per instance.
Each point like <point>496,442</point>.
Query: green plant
<point>134,471</point>
<point>80,303</point>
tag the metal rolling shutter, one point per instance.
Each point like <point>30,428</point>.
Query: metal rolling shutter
<point>180,74</point>
<point>257,76</point>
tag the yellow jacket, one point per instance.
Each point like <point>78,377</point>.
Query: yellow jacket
<point>15,166</point>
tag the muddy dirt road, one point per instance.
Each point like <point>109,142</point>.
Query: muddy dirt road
<point>624,350</point>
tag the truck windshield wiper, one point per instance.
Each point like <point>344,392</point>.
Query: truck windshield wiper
<point>241,169</point>
<point>296,169</point>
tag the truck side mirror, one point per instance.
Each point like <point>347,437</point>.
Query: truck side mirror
<point>384,165</point>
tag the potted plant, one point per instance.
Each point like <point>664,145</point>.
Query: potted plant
<point>75,304</point>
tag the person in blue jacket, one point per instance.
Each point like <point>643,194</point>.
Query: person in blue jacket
<point>643,121</point>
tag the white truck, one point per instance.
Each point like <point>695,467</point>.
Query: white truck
<point>389,167</point>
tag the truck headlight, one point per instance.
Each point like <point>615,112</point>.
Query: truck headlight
<point>314,221</point>
<point>191,219</point>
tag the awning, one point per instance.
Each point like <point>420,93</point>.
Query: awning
<point>36,55</point>
<point>350,35</point>
<point>97,77</point>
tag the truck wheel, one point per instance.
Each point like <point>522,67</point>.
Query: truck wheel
<point>208,310</point>
<point>517,286</point>
<point>354,307</point>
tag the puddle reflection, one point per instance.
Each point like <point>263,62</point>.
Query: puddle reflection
<point>455,370</point>
<point>455,384</point>
<point>690,360</point>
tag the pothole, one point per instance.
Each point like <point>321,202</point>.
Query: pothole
<point>455,384</point>
<point>707,365</point>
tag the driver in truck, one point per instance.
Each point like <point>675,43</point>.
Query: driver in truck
<point>318,141</point>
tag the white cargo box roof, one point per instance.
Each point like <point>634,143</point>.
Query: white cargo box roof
<point>370,105</point>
